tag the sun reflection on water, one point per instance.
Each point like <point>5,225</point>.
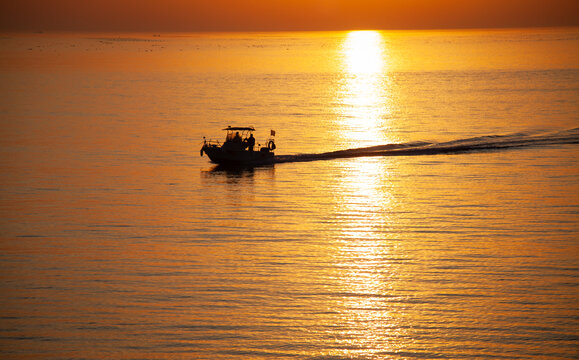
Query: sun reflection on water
<point>364,52</point>
<point>366,269</point>
<point>365,105</point>
<point>365,95</point>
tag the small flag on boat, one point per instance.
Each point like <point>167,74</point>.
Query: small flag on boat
<point>272,132</point>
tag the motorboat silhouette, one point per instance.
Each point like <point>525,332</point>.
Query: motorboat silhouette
<point>238,149</point>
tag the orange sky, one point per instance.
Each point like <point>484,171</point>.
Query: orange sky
<point>257,15</point>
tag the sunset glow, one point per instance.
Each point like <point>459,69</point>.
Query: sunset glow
<point>276,179</point>
<point>267,15</point>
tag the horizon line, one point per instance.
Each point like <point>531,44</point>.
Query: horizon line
<point>154,32</point>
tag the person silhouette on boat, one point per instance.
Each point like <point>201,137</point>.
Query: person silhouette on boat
<point>237,137</point>
<point>250,142</point>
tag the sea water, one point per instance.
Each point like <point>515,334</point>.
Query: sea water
<point>424,205</point>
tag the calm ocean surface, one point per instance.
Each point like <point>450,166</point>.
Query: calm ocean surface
<point>119,241</point>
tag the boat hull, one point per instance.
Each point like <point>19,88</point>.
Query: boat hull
<point>234,157</point>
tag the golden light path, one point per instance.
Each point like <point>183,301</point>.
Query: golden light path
<point>365,101</point>
<point>364,117</point>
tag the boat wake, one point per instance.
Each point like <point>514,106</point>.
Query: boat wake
<point>475,144</point>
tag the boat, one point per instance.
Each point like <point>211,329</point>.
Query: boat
<point>238,149</point>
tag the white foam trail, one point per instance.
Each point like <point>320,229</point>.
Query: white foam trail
<point>475,144</point>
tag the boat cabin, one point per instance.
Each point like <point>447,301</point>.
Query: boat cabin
<point>238,138</point>
<point>233,133</point>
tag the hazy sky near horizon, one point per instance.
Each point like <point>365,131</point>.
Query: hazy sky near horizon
<point>265,15</point>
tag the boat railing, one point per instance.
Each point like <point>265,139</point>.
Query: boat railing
<point>211,142</point>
